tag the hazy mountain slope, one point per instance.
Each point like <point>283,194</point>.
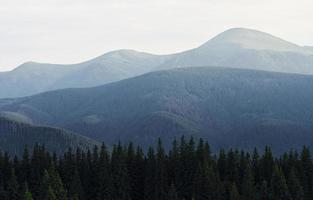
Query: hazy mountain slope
<point>230,107</point>
<point>31,78</point>
<point>238,47</point>
<point>15,135</point>
<point>247,49</point>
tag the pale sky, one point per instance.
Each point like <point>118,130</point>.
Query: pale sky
<point>71,31</point>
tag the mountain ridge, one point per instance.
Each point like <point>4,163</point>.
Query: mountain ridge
<point>238,47</point>
<point>229,107</point>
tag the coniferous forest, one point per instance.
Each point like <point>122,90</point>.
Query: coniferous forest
<point>126,172</point>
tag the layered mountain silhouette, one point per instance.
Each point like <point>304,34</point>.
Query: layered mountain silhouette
<point>17,133</point>
<point>229,107</point>
<point>238,47</point>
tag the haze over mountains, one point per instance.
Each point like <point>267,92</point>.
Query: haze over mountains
<point>237,48</point>
<point>229,107</point>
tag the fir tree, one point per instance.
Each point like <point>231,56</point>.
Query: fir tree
<point>248,188</point>
<point>103,174</point>
<point>50,195</point>
<point>13,187</point>
<point>172,194</point>
<point>206,184</point>
<point>233,193</point>
<point>57,185</point>
<point>295,188</point>
<point>279,188</point>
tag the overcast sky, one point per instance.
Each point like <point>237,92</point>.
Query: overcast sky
<point>71,31</point>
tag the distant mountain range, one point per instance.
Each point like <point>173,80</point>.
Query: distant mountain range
<point>16,133</point>
<point>237,48</point>
<point>229,107</point>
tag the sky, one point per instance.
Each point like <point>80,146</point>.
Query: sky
<point>72,31</point>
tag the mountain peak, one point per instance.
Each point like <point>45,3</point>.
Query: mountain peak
<point>251,39</point>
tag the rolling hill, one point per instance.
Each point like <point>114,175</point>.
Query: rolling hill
<point>16,134</point>
<point>229,107</point>
<point>238,47</point>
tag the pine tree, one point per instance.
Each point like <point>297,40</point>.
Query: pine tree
<point>75,187</point>
<point>263,192</point>
<point>222,165</point>
<point>187,168</point>
<point>120,181</point>
<point>267,164</point>
<point>56,184</point>
<point>248,188</point>
<point>50,195</point>
<point>103,174</point>
<point>295,188</point>
<point>3,194</point>
<point>307,173</point>
<point>150,175</point>
<point>279,186</point>
<point>233,193</point>
<point>172,194</point>
<point>206,184</point>
<point>27,194</point>
<point>44,186</point>
<point>13,187</point>
<point>161,176</point>
<point>25,166</point>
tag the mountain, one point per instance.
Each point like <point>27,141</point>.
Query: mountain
<point>237,48</point>
<point>16,134</point>
<point>31,78</point>
<point>247,49</point>
<point>229,107</point>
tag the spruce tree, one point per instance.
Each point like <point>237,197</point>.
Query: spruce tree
<point>307,173</point>
<point>295,188</point>
<point>248,188</point>
<point>150,175</point>
<point>233,193</point>
<point>263,191</point>
<point>103,174</point>
<point>120,181</point>
<point>57,185</point>
<point>206,184</point>
<point>279,188</point>
<point>44,186</point>
<point>172,194</point>
<point>13,187</point>
<point>27,195</point>
<point>161,175</point>
<point>75,187</point>
<point>50,195</point>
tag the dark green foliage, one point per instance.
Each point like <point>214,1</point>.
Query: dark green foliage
<point>13,187</point>
<point>206,184</point>
<point>172,194</point>
<point>294,185</point>
<point>233,193</point>
<point>248,190</point>
<point>15,135</point>
<point>27,195</point>
<point>188,171</point>
<point>279,188</point>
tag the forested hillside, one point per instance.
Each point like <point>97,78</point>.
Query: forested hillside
<point>228,107</point>
<point>188,171</point>
<point>15,135</point>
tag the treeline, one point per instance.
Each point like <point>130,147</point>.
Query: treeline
<point>188,171</point>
